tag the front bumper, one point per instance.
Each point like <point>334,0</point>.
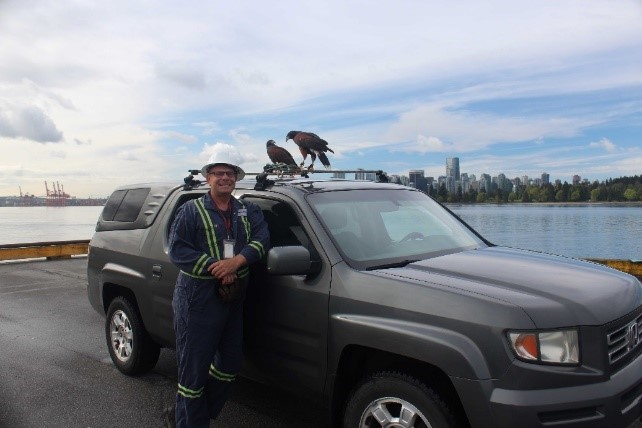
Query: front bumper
<point>616,402</point>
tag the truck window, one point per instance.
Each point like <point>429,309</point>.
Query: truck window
<point>283,224</point>
<point>125,205</point>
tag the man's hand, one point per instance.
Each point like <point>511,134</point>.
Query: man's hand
<point>229,279</point>
<point>223,268</point>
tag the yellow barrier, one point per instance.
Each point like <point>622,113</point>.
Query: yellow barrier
<point>66,249</point>
<point>50,250</point>
<point>629,266</point>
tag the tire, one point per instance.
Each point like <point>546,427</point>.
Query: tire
<point>131,349</point>
<point>392,399</point>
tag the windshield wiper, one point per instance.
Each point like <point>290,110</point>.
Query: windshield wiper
<point>392,265</point>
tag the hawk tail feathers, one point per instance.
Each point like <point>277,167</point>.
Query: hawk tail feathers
<point>324,160</point>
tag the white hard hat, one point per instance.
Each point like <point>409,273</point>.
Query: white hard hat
<point>223,157</point>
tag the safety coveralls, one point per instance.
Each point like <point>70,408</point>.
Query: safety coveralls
<point>209,332</point>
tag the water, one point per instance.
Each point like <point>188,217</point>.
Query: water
<point>583,231</point>
<point>578,230</point>
<point>20,225</point>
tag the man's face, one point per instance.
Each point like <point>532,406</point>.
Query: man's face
<point>222,180</point>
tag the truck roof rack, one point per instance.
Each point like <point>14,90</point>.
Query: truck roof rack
<point>283,170</point>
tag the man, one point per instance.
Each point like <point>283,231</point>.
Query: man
<point>213,241</point>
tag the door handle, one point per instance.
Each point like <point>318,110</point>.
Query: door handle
<point>157,271</point>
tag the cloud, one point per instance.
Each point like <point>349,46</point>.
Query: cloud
<point>464,131</point>
<point>430,144</point>
<point>130,156</point>
<point>605,144</point>
<point>208,128</point>
<point>240,136</point>
<point>80,142</point>
<point>29,123</point>
<point>178,136</point>
<point>182,75</point>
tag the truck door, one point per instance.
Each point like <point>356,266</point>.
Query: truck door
<point>163,273</point>
<point>286,317</point>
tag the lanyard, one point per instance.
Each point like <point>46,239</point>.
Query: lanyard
<point>227,218</point>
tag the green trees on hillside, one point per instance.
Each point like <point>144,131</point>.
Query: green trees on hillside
<point>623,189</point>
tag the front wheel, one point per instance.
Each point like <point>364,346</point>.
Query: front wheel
<point>130,347</point>
<point>392,399</point>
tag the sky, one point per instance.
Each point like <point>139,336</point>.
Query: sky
<point>94,95</point>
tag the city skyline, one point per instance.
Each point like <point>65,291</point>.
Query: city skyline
<point>452,163</point>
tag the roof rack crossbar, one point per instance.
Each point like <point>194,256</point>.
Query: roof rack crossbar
<point>281,170</point>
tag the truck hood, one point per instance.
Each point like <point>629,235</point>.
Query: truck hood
<point>552,290</point>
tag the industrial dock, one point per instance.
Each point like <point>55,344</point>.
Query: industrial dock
<point>55,196</point>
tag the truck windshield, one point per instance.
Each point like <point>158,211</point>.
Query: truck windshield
<point>385,227</point>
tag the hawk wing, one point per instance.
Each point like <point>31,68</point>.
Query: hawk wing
<point>311,141</point>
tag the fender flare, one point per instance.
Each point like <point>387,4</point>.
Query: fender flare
<point>452,352</point>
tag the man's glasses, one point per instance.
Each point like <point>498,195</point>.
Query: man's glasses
<point>220,174</point>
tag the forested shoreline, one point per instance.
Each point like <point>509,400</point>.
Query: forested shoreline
<point>622,189</point>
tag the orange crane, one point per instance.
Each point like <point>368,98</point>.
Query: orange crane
<point>57,196</point>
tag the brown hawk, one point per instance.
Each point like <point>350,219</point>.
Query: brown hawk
<point>310,144</point>
<point>278,154</point>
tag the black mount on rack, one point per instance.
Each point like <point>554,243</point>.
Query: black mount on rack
<point>262,181</point>
<point>190,182</point>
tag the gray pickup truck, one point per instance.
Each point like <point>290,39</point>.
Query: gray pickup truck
<point>382,305</point>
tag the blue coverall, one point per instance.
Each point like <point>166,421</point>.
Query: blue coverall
<point>209,332</point>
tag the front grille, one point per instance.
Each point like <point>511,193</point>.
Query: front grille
<point>624,340</point>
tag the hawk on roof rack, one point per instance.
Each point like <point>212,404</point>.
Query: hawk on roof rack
<point>279,154</point>
<point>310,144</point>
<point>281,158</point>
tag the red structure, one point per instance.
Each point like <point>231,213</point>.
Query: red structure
<point>56,197</point>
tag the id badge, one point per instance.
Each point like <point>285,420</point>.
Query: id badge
<point>228,248</point>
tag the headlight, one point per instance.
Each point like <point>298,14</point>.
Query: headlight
<point>549,347</point>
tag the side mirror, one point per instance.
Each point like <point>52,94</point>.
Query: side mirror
<point>291,260</point>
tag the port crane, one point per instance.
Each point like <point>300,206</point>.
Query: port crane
<point>56,197</point>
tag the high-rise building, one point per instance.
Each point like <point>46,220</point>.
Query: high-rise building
<point>452,168</point>
<point>485,183</point>
<point>417,179</point>
<point>451,184</point>
<point>465,182</point>
<point>545,178</point>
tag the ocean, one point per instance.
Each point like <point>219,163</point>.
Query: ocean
<point>611,231</point>
<point>20,225</point>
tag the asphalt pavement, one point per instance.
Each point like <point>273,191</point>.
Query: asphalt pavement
<point>55,369</point>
